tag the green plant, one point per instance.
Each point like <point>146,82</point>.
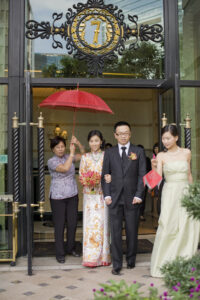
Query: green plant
<point>185,272</point>
<point>120,291</point>
<point>191,200</point>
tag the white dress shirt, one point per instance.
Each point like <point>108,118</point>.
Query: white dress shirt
<point>120,148</point>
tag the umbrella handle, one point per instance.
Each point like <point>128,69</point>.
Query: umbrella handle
<point>74,121</point>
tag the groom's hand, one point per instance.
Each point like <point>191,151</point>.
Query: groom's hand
<point>108,200</point>
<point>136,200</point>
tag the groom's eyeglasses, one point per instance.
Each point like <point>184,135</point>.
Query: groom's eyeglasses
<point>122,134</point>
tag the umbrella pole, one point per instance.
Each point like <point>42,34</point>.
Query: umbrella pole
<point>74,122</point>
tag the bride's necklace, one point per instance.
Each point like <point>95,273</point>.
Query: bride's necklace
<point>96,156</point>
<point>174,152</point>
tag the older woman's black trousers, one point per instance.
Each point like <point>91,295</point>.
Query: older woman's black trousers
<point>65,211</point>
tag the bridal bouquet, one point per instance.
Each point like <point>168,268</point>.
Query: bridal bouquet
<point>90,179</point>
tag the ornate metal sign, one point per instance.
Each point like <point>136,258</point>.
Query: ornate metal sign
<point>95,32</point>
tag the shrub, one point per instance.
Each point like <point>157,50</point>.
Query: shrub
<point>122,291</point>
<point>191,200</point>
<point>181,271</point>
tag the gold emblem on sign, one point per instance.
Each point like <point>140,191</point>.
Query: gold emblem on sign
<point>95,31</point>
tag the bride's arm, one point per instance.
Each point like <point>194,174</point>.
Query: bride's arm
<point>159,159</point>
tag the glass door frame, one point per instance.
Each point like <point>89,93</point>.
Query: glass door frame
<point>164,88</point>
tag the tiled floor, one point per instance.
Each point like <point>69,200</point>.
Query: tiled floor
<point>51,281</point>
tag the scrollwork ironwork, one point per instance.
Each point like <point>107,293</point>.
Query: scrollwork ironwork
<point>95,15</point>
<point>151,32</point>
<point>35,30</point>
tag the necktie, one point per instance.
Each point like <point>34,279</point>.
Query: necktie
<point>123,157</point>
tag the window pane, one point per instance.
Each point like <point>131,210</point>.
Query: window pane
<point>189,38</point>
<point>5,230</point>
<point>3,137</point>
<point>5,242</point>
<point>145,62</point>
<point>4,38</point>
<point>168,105</point>
<point>190,103</point>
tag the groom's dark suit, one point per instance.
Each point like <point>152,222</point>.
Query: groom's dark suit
<point>126,183</point>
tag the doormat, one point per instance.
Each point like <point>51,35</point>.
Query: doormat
<point>144,246</point>
<point>48,248</point>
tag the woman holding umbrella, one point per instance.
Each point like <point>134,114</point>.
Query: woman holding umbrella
<point>64,194</point>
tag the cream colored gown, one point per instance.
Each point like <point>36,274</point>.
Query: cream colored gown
<point>96,235</point>
<point>177,234</point>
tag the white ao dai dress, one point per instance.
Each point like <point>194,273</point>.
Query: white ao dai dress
<point>96,236</point>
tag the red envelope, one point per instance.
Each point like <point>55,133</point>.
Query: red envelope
<point>152,179</point>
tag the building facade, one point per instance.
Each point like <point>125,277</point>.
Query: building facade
<point>139,84</point>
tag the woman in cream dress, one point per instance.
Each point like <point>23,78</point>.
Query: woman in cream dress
<point>177,234</point>
<point>96,242</point>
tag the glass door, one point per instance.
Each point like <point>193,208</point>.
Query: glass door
<point>6,249</point>
<point>166,108</point>
<point>166,99</point>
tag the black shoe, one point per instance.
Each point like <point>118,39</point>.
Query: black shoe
<point>74,253</point>
<point>130,266</point>
<point>116,271</point>
<point>61,260</point>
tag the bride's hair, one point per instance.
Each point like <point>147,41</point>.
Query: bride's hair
<point>172,128</point>
<point>99,134</point>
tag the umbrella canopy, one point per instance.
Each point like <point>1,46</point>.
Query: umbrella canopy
<point>76,100</point>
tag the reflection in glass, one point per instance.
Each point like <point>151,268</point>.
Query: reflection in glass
<point>145,62</point>
<point>189,36</point>
<point>190,103</point>
<point>4,38</point>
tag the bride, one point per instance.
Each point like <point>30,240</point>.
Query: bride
<point>177,234</point>
<point>96,243</point>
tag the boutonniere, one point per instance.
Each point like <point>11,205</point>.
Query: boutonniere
<point>132,156</point>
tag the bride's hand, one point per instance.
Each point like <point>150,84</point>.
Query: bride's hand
<point>107,178</point>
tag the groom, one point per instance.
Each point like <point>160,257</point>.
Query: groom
<point>127,165</point>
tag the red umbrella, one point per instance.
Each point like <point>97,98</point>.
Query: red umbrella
<point>76,100</point>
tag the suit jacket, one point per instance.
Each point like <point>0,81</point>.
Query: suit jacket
<point>129,180</point>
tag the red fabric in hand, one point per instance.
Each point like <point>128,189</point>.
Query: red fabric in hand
<point>152,179</point>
